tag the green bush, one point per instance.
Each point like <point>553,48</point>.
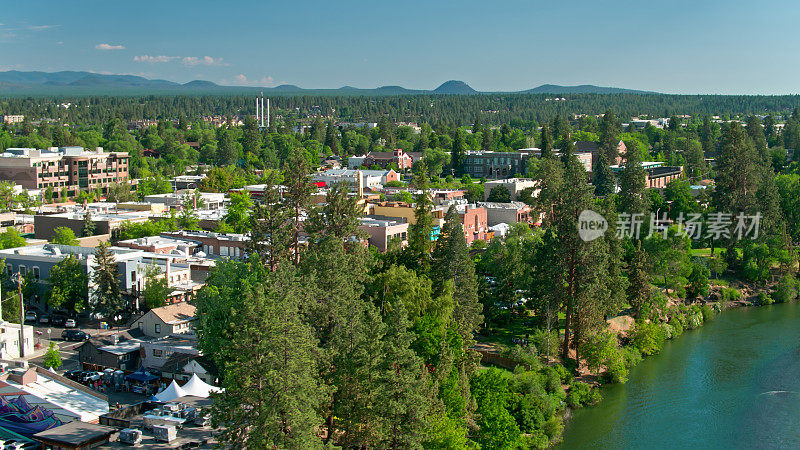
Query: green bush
<point>565,375</point>
<point>729,294</point>
<point>764,299</point>
<point>581,394</point>
<point>787,289</point>
<point>708,312</point>
<point>546,343</point>
<point>648,338</point>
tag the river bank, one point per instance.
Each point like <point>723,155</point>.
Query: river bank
<point>727,378</point>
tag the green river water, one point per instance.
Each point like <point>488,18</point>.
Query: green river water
<point>733,383</point>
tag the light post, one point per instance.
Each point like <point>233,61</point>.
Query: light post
<point>18,279</point>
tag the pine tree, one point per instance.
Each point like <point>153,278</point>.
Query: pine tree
<point>633,185</point>
<point>638,280</point>
<point>609,136</point>
<point>251,137</point>
<point>298,194</point>
<point>88,224</point>
<point>452,263</point>
<point>738,172</point>
<point>486,140</point>
<point>477,127</point>
<point>404,393</point>
<point>546,144</point>
<point>271,230</point>
<point>272,392</point>
<point>331,139</point>
<point>604,181</point>
<point>106,296</point>
<point>458,153</point>
<point>418,252</point>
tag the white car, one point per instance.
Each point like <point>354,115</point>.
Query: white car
<point>30,316</point>
<point>70,323</point>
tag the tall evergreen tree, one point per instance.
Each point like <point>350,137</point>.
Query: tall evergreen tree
<point>269,369</point>
<point>633,185</point>
<point>546,143</point>
<point>331,140</point>
<point>604,181</point>
<point>298,194</point>
<point>106,298</point>
<point>609,136</point>
<point>458,153</point>
<point>88,224</point>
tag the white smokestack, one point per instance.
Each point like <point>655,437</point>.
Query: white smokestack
<point>256,109</point>
<point>262,109</point>
<point>267,112</point>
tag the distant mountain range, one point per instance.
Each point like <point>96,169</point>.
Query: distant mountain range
<point>15,82</point>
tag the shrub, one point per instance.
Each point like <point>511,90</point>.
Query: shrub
<point>787,289</point>
<point>632,356</point>
<point>677,327</point>
<point>565,375</point>
<point>525,355</point>
<point>764,299</point>
<point>707,312</point>
<point>648,338</point>
<point>546,343</point>
<point>729,294</point>
<point>581,394</point>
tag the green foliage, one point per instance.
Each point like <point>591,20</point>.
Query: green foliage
<point>581,394</point>
<point>648,338</point>
<point>727,294</point>
<point>68,285</point>
<point>499,194</point>
<point>156,288</point>
<point>11,239</point>
<point>787,290</point>
<point>136,230</point>
<point>52,359</point>
<point>764,299</point>
<point>64,236</point>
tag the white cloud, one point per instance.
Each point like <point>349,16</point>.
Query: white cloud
<point>154,59</point>
<point>205,61</point>
<point>185,60</point>
<point>242,80</point>
<point>60,43</point>
<point>109,47</point>
<point>41,27</point>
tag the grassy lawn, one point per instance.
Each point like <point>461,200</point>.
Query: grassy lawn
<point>704,252</point>
<point>515,328</point>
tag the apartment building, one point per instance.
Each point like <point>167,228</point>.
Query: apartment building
<point>12,118</point>
<point>495,165</point>
<point>73,168</point>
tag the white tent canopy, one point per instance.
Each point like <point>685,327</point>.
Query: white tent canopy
<point>199,388</point>
<point>172,392</point>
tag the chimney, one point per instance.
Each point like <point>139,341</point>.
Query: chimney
<point>360,176</point>
<point>166,273</point>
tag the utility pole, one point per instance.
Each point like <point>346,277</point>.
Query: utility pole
<point>21,317</point>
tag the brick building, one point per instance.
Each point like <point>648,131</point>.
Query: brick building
<point>72,168</point>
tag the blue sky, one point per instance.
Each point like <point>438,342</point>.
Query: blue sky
<point>700,46</point>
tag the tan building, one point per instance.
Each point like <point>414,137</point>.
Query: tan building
<point>72,168</point>
<point>13,118</point>
<point>167,320</point>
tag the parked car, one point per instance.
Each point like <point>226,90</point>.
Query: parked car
<point>58,320</point>
<point>44,318</point>
<point>74,375</point>
<point>69,323</point>
<point>75,335</point>
<point>30,316</point>
<point>91,376</point>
